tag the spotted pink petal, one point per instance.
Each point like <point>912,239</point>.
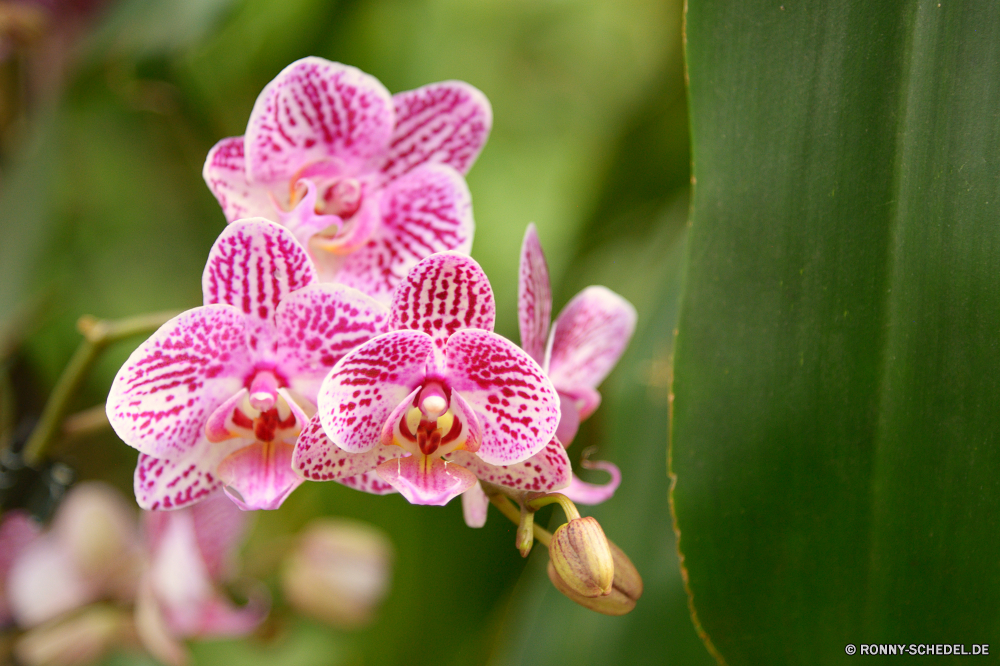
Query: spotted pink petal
<point>172,383</point>
<point>317,326</point>
<point>444,293</point>
<point>475,506</point>
<point>547,471</point>
<point>253,265</point>
<point>582,492</point>
<point>363,389</point>
<point>534,297</point>
<point>226,176</point>
<point>426,479</point>
<point>259,476</point>
<point>316,109</point>
<point>516,404</point>
<point>369,482</point>
<point>174,483</point>
<point>318,459</point>
<point>590,336</point>
<point>441,123</point>
<point>427,210</point>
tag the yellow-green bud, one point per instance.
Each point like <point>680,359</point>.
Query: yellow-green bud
<point>581,556</point>
<point>625,590</point>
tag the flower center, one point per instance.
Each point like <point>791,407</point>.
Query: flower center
<point>342,198</point>
<point>429,427</point>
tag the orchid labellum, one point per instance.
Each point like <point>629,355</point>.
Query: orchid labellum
<point>369,183</point>
<point>218,396</point>
<point>437,402</point>
<point>582,347</point>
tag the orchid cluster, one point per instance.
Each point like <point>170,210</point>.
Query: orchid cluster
<point>347,335</point>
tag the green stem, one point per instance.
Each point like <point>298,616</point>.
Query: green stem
<point>97,335</point>
<point>508,508</point>
<point>566,503</point>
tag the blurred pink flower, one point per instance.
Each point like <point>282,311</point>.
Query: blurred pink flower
<point>579,351</point>
<point>219,394</point>
<point>438,401</point>
<point>375,181</point>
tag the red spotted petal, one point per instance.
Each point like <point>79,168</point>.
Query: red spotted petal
<point>441,123</point>
<point>475,506</point>
<point>318,459</point>
<point>590,336</point>
<point>365,386</point>
<point>226,176</point>
<point>534,297</point>
<point>426,479</point>
<point>516,403</point>
<point>259,476</point>
<point>162,483</point>
<point>444,293</point>
<point>547,471</point>
<point>165,392</point>
<point>316,109</point>
<point>253,265</point>
<point>317,326</point>
<point>426,211</point>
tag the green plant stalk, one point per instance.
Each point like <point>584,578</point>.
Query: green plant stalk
<point>97,336</point>
<point>507,508</point>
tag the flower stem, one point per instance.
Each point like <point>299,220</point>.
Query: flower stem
<point>98,334</point>
<point>507,508</point>
<point>536,503</point>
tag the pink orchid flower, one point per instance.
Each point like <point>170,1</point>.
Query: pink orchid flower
<point>438,401</point>
<point>191,552</point>
<point>588,338</point>
<point>219,394</point>
<point>375,181</point>
<point>17,532</point>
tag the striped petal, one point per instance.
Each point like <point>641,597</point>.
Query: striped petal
<point>547,471</point>
<point>363,389</point>
<point>516,404</point>
<point>590,336</point>
<point>534,297</point>
<point>259,476</point>
<point>316,109</point>
<point>426,479</point>
<point>318,459</point>
<point>441,123</point>
<point>226,176</point>
<point>426,211</point>
<point>317,326</point>
<point>444,293</point>
<point>165,392</point>
<point>253,265</point>
<point>162,483</point>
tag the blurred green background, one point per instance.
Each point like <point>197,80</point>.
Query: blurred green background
<point>107,116</point>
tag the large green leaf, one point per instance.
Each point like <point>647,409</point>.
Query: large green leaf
<point>835,432</point>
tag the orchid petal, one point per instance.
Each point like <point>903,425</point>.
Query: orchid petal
<point>226,176</point>
<point>569,420</point>
<point>219,427</point>
<point>317,326</point>
<point>363,389</point>
<point>259,476</point>
<point>427,210</point>
<point>220,618</point>
<point>152,630</point>
<point>444,293</point>
<point>516,404</point>
<point>534,297</point>
<point>441,123</point>
<point>475,506</point>
<point>253,265</point>
<point>585,399</point>
<point>315,109</point>
<point>426,479</point>
<point>582,492</point>
<point>44,582</point>
<point>318,459</point>
<point>162,483</point>
<point>590,336</point>
<point>169,386</point>
<point>17,530</point>
<point>547,471</point>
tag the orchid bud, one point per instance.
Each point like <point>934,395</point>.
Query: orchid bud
<point>625,590</point>
<point>582,558</point>
<point>80,639</point>
<point>338,572</point>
